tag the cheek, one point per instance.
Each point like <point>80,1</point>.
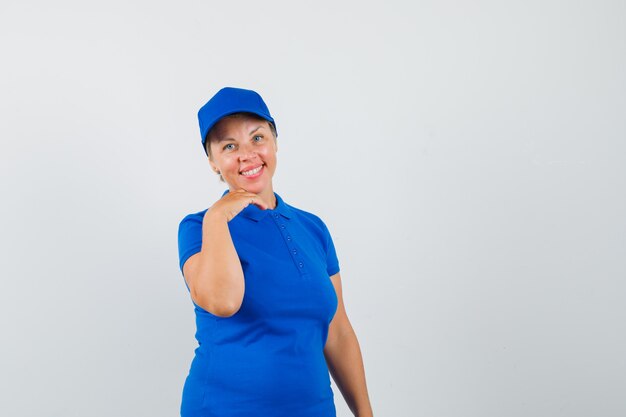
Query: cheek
<point>268,154</point>
<point>226,163</point>
<point>229,159</point>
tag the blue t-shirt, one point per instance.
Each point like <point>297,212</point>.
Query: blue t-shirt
<point>267,359</point>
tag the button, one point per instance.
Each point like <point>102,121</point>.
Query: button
<point>282,226</point>
<point>301,264</point>
<point>294,251</point>
<point>288,237</point>
<point>276,215</point>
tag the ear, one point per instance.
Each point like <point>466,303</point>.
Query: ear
<point>213,166</point>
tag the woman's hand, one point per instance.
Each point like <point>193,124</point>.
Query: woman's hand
<point>233,202</point>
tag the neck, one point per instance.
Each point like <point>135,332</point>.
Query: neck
<point>272,201</point>
<point>268,195</point>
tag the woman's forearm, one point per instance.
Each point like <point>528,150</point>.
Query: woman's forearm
<point>220,280</point>
<point>345,364</point>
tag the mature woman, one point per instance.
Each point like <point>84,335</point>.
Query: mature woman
<point>264,278</point>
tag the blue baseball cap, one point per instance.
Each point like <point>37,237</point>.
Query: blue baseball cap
<point>227,101</point>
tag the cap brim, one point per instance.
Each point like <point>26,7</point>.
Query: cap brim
<point>228,113</point>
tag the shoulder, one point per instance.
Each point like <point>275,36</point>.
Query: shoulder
<point>305,215</point>
<point>192,218</point>
<point>309,220</point>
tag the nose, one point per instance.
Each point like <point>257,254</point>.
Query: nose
<point>247,152</point>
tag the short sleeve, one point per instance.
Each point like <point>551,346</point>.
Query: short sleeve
<point>189,238</point>
<point>332,263</point>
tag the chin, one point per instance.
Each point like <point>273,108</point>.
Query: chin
<point>256,188</point>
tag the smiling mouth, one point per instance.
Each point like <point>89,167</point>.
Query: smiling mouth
<point>252,172</point>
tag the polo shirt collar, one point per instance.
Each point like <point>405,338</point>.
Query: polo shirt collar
<point>253,212</point>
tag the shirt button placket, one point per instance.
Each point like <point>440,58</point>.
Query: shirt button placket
<point>291,247</point>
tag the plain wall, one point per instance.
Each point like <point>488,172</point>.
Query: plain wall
<point>468,158</point>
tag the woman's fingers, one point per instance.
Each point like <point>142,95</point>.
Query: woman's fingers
<point>232,203</point>
<point>254,199</point>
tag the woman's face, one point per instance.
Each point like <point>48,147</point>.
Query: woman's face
<point>240,145</point>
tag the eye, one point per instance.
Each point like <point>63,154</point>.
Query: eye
<point>228,144</point>
<point>258,136</point>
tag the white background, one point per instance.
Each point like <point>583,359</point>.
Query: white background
<point>468,158</point>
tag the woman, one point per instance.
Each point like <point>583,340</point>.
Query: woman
<point>264,278</point>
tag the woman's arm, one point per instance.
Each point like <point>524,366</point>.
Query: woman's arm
<point>214,275</point>
<point>344,360</point>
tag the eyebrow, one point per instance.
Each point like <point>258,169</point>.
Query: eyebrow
<point>251,132</point>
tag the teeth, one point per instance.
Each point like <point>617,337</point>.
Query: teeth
<point>252,172</point>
